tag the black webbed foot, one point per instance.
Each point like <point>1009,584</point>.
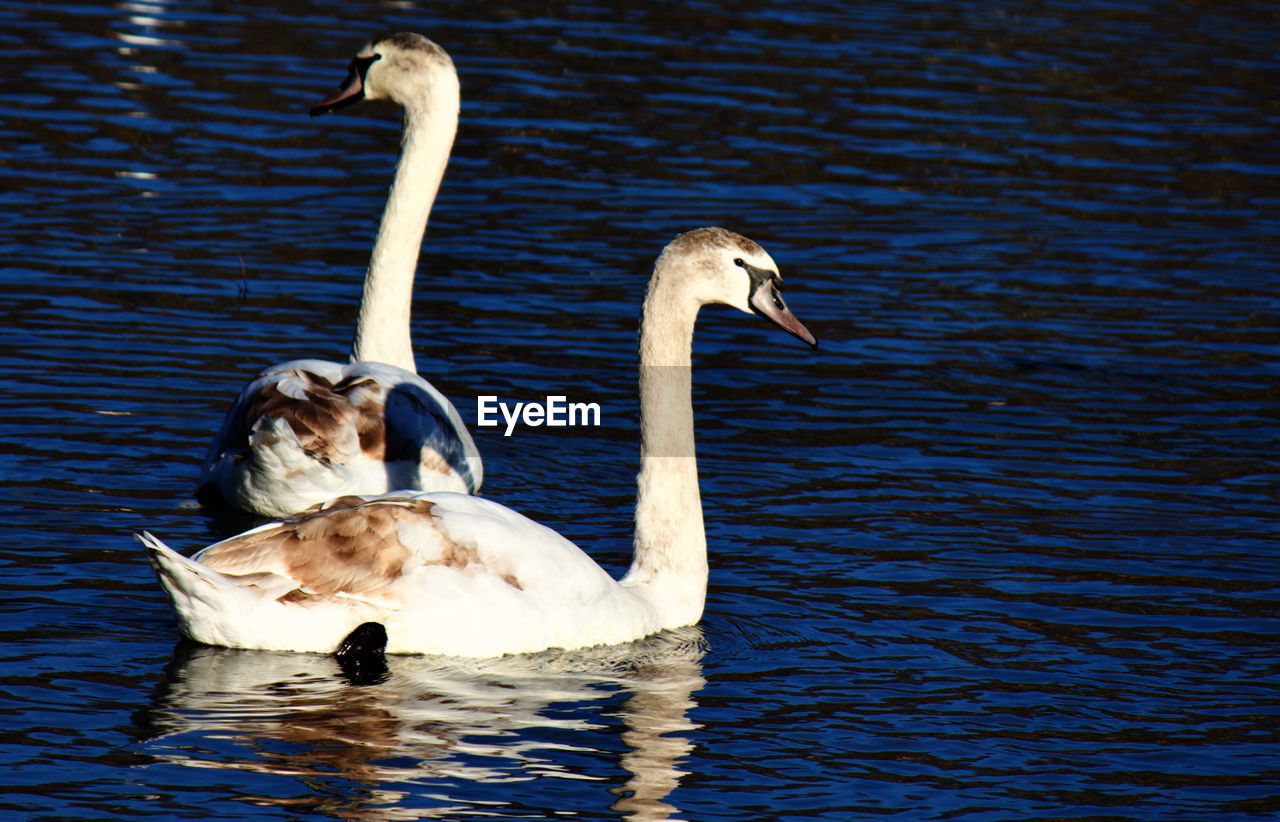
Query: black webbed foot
<point>362,655</point>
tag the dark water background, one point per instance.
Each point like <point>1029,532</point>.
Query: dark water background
<point>1003,548</point>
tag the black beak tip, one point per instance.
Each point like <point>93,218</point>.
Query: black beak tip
<point>810,339</point>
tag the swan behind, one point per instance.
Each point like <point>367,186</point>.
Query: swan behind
<point>307,431</point>
<point>454,574</point>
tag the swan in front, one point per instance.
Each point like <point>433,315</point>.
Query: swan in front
<point>310,430</point>
<point>453,574</point>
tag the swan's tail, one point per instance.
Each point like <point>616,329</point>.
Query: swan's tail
<point>273,444</point>
<point>179,575</point>
<point>245,611</point>
<point>210,607</point>
<point>272,474</point>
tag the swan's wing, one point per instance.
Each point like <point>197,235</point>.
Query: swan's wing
<point>309,430</point>
<point>302,393</point>
<point>548,568</point>
<point>351,546</point>
<point>422,426</point>
<point>374,547</point>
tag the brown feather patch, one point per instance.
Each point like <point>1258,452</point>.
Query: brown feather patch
<point>346,546</point>
<point>346,550</point>
<point>430,460</point>
<point>457,555</point>
<point>324,415</point>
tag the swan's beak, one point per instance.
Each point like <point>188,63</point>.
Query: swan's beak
<point>351,91</point>
<point>767,301</point>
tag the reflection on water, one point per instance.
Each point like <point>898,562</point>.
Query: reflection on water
<point>430,724</point>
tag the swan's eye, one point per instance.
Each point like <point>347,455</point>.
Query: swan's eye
<point>739,263</point>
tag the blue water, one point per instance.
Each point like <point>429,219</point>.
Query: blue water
<point>1004,547</point>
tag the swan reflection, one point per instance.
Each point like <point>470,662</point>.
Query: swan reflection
<point>433,729</point>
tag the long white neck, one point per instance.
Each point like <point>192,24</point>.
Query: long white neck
<point>670,564</point>
<point>382,326</point>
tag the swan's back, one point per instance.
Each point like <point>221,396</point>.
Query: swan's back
<point>306,431</point>
<point>444,573</point>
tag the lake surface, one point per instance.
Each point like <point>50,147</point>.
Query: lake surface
<point>1004,547</point>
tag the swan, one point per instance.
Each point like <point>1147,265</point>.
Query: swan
<point>448,573</point>
<point>309,430</point>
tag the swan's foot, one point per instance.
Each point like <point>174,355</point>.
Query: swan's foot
<point>362,654</point>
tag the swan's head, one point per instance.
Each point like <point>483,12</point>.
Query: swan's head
<point>404,68</point>
<point>718,266</point>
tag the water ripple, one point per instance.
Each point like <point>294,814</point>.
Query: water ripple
<point>1001,547</point>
